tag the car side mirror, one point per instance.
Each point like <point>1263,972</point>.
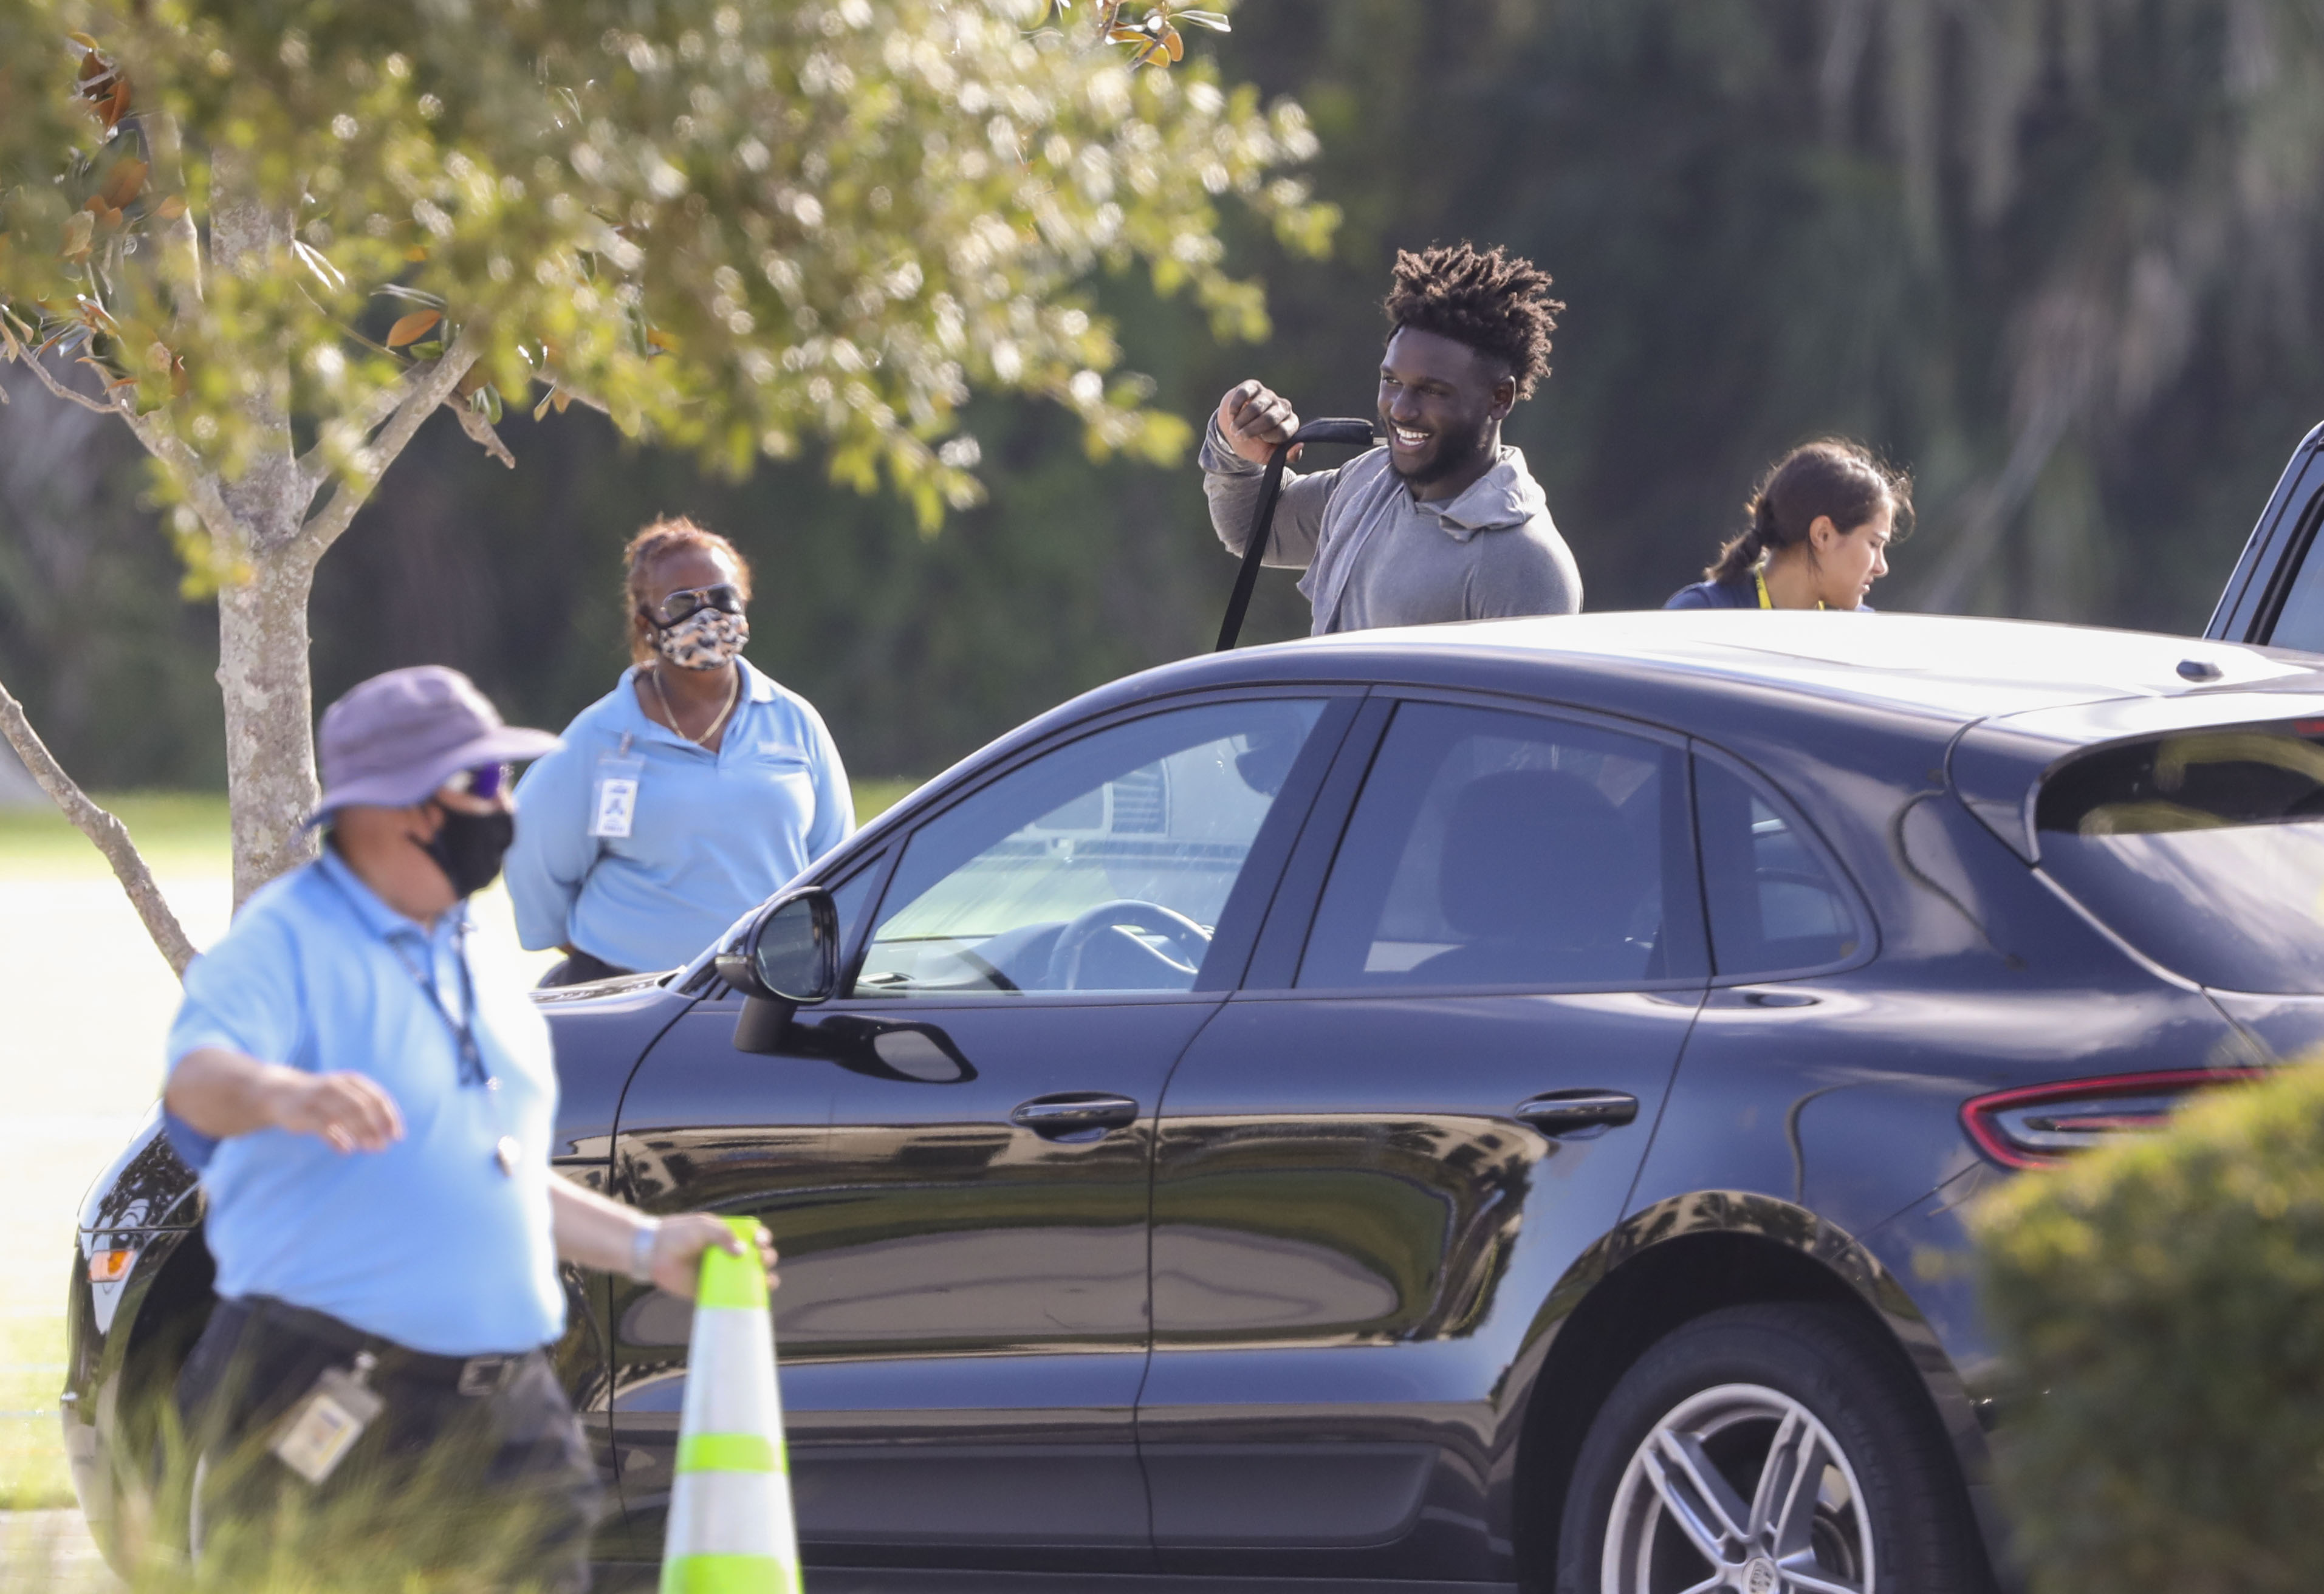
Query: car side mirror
<point>787,959</point>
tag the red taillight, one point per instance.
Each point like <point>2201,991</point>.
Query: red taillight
<point>2034,1125</point>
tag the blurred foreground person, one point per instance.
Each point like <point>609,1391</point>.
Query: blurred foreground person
<point>1818,538</point>
<point>373,1132</point>
<point>688,795</point>
<point>1445,522</point>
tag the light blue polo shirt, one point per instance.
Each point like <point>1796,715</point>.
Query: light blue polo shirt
<point>426,1243</point>
<point>710,835</point>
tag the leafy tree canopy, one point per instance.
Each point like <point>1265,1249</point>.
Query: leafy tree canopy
<point>283,233</point>
<point>732,226</point>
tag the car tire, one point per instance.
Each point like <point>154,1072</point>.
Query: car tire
<point>1682,1479</point>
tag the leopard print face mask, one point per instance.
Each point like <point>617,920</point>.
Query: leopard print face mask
<point>705,639</point>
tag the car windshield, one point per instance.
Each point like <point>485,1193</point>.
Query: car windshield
<point>2203,850</point>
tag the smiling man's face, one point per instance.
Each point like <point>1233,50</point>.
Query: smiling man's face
<point>1441,403</point>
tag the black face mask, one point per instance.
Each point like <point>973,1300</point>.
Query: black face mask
<point>467,847</point>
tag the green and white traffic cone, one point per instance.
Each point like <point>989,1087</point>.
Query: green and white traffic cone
<point>730,1530</point>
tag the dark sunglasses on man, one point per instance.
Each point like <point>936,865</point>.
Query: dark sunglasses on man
<point>681,606</point>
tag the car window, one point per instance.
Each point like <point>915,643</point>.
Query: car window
<point>2204,848</point>
<point>1103,865</point>
<point>1491,848</point>
<point>850,897</point>
<point>1774,907</point>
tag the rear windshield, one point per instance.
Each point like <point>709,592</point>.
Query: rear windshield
<point>2205,850</point>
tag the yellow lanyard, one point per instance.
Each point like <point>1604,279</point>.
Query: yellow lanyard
<point>1764,602</point>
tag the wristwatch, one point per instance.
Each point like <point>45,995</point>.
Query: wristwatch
<point>641,1245</point>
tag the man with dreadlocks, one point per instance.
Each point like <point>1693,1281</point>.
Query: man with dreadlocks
<point>1445,522</point>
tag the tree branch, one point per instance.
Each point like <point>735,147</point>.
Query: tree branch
<point>18,352</point>
<point>480,431</point>
<point>368,418</point>
<point>200,485</point>
<point>428,390</point>
<point>180,244</point>
<point>111,836</point>
<point>199,482</point>
<point>584,400</point>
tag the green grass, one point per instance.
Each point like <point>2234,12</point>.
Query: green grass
<point>32,1474</point>
<point>179,831</point>
<point>185,831</point>
<point>877,794</point>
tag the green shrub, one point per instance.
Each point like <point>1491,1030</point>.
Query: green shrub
<point>2163,1303</point>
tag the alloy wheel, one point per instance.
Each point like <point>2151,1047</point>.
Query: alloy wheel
<point>1738,1488</point>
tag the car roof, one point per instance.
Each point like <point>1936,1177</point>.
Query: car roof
<point>2016,698</point>
<point>1949,667</point>
<point>2006,697</point>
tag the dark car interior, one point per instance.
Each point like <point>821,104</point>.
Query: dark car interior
<point>1495,849</point>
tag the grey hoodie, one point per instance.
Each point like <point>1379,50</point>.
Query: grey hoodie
<point>1376,556</point>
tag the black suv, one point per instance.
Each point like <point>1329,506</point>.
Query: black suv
<point>1465,1108</point>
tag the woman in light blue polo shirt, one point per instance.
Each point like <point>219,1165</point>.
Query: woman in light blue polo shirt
<point>694,790</point>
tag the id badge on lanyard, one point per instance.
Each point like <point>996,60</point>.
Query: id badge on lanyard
<point>613,795</point>
<point>320,1431</point>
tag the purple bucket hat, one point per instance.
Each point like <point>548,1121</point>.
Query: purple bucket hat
<point>395,738</point>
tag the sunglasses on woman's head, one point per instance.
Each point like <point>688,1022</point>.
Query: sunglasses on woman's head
<point>486,780</point>
<point>725,597</point>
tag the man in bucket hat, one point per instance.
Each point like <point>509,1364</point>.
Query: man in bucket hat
<point>372,1130</point>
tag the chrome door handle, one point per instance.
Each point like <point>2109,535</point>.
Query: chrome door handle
<point>1578,1113</point>
<point>1071,1115</point>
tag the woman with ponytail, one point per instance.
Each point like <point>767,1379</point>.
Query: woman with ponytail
<point>1817,536</point>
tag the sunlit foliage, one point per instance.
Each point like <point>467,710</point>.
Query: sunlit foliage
<point>732,226</point>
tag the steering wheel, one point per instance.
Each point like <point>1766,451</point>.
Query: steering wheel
<point>1189,938</point>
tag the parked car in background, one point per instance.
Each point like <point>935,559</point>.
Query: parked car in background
<point>2275,595</point>
<point>1479,1107</point>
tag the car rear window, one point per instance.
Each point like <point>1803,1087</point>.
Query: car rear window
<point>2204,849</point>
<point>1774,907</point>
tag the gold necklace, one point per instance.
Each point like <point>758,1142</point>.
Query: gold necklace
<point>653,676</point>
